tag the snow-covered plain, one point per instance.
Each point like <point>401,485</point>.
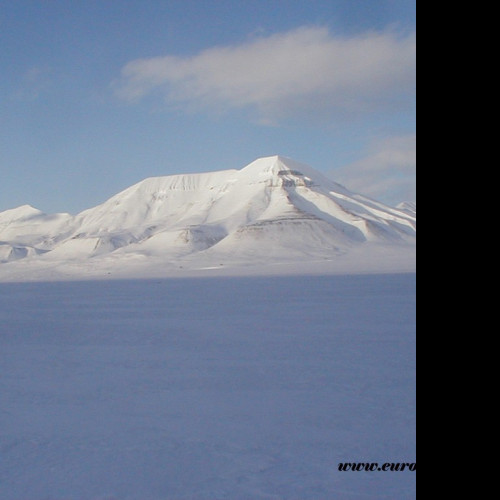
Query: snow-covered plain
<point>222,388</point>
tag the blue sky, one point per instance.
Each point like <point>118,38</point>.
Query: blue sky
<point>97,95</point>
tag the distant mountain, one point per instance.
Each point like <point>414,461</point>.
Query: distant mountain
<point>274,210</point>
<point>409,207</point>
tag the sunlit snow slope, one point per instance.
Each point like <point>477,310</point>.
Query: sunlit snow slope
<point>273,211</point>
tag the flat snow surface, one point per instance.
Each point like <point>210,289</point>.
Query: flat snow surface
<point>223,388</point>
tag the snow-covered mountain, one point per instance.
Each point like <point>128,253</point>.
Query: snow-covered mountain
<point>273,210</point>
<point>409,207</point>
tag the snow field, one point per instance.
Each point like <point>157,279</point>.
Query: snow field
<point>237,388</point>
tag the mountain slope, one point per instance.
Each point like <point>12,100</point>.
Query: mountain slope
<point>273,209</point>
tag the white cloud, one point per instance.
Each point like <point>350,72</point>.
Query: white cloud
<point>304,70</point>
<point>387,172</point>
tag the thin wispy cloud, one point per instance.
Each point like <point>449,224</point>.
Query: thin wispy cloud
<point>300,71</point>
<point>387,171</point>
<point>34,82</point>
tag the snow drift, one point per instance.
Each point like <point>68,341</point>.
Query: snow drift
<point>274,210</point>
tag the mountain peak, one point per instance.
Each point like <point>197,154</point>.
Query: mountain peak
<point>20,213</point>
<point>408,207</point>
<point>268,163</point>
<point>276,166</point>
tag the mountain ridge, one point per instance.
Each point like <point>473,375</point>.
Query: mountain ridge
<point>274,208</point>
